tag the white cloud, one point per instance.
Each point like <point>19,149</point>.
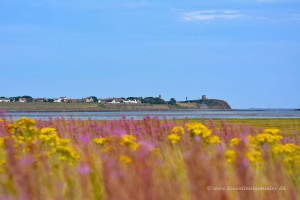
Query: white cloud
<point>206,15</point>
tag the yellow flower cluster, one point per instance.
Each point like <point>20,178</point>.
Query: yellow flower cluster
<point>58,146</point>
<point>101,141</point>
<point>1,143</point>
<point>234,141</point>
<point>24,133</point>
<point>49,136</point>
<point>198,129</point>
<point>214,140</point>
<point>125,140</point>
<point>25,127</point>
<point>176,133</point>
<point>286,149</point>
<point>2,154</point>
<point>129,140</point>
<point>267,136</point>
<point>290,153</point>
<point>194,129</point>
<point>230,156</point>
<point>67,153</point>
<point>173,138</point>
<point>272,131</point>
<point>254,156</point>
<point>178,130</point>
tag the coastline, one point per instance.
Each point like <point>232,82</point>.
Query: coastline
<point>95,107</point>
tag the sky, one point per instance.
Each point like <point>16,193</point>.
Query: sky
<point>246,52</point>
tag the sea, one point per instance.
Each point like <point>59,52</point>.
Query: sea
<point>178,114</point>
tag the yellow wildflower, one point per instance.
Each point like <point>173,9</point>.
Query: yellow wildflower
<point>178,130</point>
<point>173,138</point>
<point>290,160</point>
<point>1,142</point>
<point>267,138</point>
<point>230,156</point>
<point>63,142</point>
<point>214,140</point>
<point>254,156</point>
<point>48,131</point>
<point>67,153</point>
<point>290,153</point>
<point>264,138</point>
<point>234,141</point>
<point>134,146</point>
<point>286,149</point>
<point>127,140</point>
<point>272,131</point>
<point>101,141</point>
<point>125,159</point>
<point>25,135</point>
<point>2,154</point>
<point>198,129</point>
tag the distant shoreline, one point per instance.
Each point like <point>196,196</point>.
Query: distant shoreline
<point>95,107</point>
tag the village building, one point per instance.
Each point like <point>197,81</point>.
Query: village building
<point>74,101</point>
<point>61,99</point>
<point>113,101</point>
<point>4,100</point>
<point>130,101</point>
<point>22,100</point>
<point>89,100</point>
<point>40,100</point>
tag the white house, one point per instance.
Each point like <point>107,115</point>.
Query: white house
<point>22,100</point>
<point>130,101</point>
<point>4,100</point>
<point>89,100</point>
<point>113,101</point>
<point>58,100</point>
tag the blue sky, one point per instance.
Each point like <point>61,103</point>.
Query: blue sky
<point>246,52</point>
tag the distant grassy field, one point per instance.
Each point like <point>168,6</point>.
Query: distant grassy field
<point>287,126</point>
<point>88,107</point>
<point>77,107</point>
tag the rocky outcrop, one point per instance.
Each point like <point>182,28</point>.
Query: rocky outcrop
<point>215,104</point>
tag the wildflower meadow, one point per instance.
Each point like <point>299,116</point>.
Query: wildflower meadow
<point>146,159</point>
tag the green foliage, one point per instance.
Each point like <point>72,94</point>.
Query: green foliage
<point>153,100</point>
<point>28,98</point>
<point>172,101</point>
<point>95,99</point>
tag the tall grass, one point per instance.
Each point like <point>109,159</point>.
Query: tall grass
<point>146,159</point>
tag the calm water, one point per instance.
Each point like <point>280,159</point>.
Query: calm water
<point>211,114</point>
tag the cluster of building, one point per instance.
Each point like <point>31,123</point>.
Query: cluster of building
<point>96,100</point>
<point>71,100</point>
<point>12,100</point>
